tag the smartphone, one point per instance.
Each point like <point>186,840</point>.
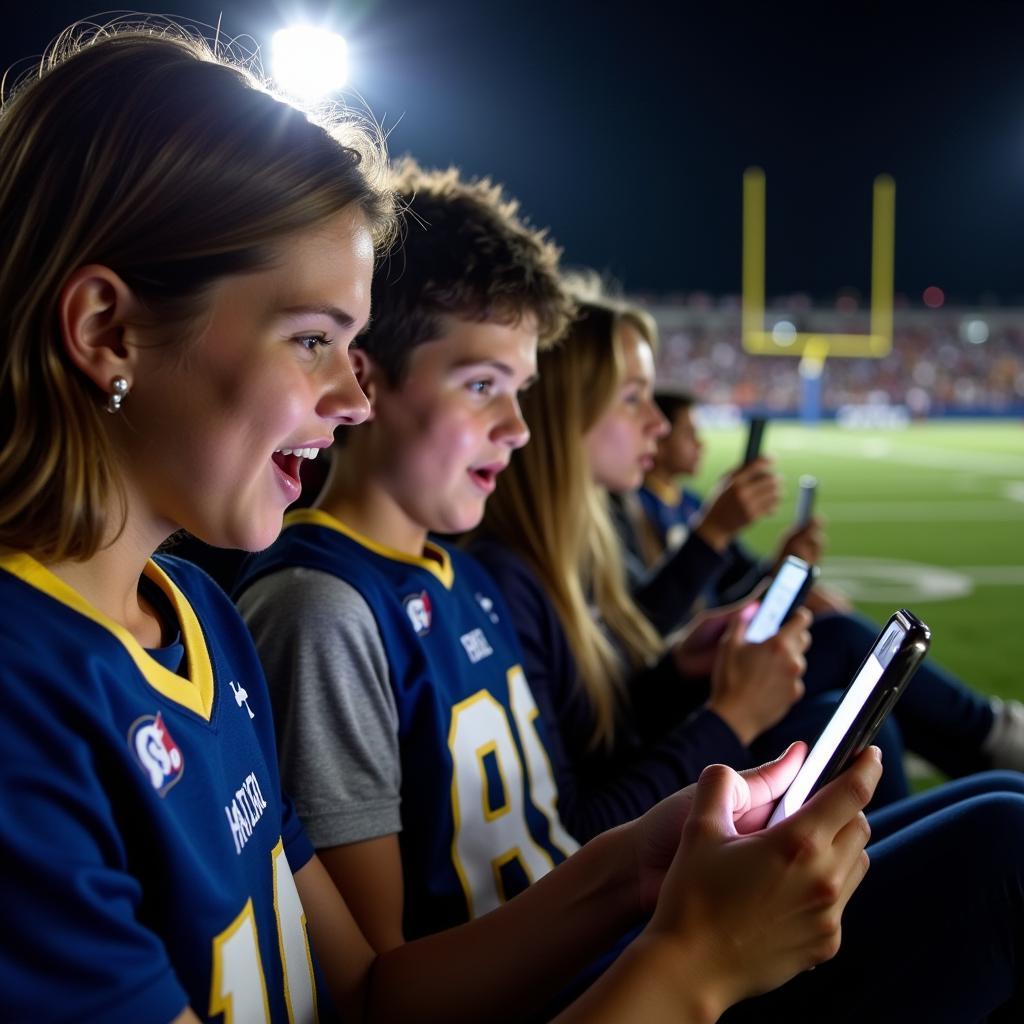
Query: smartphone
<point>754,437</point>
<point>794,578</point>
<point>881,678</point>
<point>805,499</point>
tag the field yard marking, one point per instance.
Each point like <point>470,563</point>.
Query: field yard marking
<point>883,579</point>
<point>994,575</point>
<point>882,448</point>
<point>950,511</point>
<point>880,579</point>
<point>1015,490</point>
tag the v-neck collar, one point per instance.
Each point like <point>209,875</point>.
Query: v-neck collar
<point>195,692</point>
<point>438,562</point>
<point>665,493</point>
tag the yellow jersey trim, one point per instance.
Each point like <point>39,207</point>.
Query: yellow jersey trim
<point>438,563</point>
<point>195,692</point>
<point>665,493</point>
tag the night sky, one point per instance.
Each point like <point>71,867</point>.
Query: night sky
<point>626,130</point>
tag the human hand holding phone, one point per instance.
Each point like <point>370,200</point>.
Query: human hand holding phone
<point>754,685</point>
<point>763,611</point>
<point>695,646</point>
<point>806,541</point>
<point>741,497</point>
<point>753,907</point>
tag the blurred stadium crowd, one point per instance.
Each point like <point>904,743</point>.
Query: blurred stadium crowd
<point>949,362</point>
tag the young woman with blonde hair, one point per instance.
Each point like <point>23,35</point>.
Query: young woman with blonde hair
<point>548,536</point>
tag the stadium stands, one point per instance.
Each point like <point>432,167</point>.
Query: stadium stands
<point>949,362</point>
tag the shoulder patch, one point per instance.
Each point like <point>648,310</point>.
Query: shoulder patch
<point>417,607</point>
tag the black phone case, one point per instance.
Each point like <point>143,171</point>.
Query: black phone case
<point>887,691</point>
<point>801,594</point>
<point>754,439</point>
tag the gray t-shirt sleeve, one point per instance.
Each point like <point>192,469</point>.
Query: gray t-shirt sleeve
<point>334,709</point>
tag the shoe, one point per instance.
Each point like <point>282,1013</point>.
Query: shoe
<point>1004,744</point>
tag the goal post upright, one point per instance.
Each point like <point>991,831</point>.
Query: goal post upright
<point>753,300</point>
<point>883,249</point>
<point>757,340</point>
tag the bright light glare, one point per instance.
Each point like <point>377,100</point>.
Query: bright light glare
<point>309,62</point>
<point>974,331</point>
<point>784,333</point>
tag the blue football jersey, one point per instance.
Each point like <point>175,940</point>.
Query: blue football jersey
<point>479,803</point>
<point>669,513</point>
<point>147,851</point>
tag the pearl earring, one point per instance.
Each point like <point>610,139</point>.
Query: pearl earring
<point>118,392</point>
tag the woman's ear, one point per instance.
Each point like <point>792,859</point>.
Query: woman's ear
<point>94,309</point>
<point>368,374</point>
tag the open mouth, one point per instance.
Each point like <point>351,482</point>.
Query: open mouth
<point>288,464</point>
<point>289,460</point>
<point>485,477</point>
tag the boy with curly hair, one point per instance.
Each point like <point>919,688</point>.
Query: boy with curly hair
<point>409,737</point>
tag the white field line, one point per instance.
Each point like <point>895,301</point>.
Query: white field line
<point>882,579</point>
<point>922,511</point>
<point>993,575</point>
<point>883,449</point>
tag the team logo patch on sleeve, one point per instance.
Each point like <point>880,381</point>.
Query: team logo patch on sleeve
<point>417,607</point>
<point>155,750</point>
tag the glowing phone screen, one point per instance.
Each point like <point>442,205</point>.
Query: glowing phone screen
<point>839,724</point>
<point>777,601</point>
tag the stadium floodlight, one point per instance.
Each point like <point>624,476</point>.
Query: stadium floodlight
<point>784,333</point>
<point>309,62</point>
<point>974,331</point>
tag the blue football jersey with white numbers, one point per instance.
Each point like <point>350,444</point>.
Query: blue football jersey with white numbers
<point>479,804</point>
<point>147,852</point>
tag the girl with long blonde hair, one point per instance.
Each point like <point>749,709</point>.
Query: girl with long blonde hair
<point>548,507</point>
<point>549,538</point>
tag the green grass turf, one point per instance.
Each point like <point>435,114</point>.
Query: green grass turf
<point>947,496</point>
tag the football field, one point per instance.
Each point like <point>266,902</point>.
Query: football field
<point>930,517</point>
